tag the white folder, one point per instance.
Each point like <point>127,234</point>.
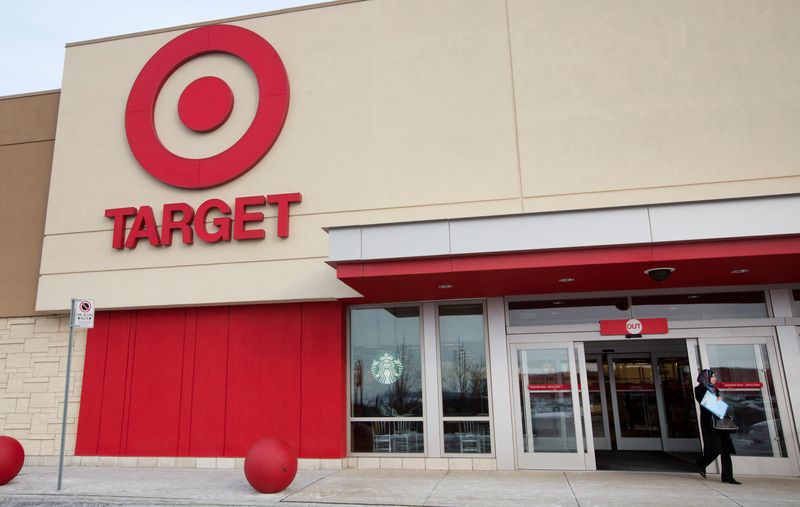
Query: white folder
<point>717,407</point>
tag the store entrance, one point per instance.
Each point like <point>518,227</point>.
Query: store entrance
<point>643,412</point>
<point>586,403</point>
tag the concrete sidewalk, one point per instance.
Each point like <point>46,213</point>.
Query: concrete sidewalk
<point>138,486</point>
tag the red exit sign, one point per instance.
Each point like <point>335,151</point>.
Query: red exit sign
<point>633,327</point>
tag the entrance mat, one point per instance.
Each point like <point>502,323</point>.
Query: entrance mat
<point>645,461</point>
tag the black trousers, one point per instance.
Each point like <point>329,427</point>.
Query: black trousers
<point>710,454</point>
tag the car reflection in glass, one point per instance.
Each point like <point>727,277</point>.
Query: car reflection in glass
<point>755,440</point>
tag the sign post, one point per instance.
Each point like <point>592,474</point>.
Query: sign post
<point>81,315</point>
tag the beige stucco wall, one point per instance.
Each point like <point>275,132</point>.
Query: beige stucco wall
<point>627,102</point>
<point>415,110</point>
<point>27,130</point>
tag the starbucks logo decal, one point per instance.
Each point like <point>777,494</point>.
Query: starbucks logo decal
<point>386,368</point>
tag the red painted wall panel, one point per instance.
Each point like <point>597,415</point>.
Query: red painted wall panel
<point>212,381</point>
<point>207,426</point>
<point>155,388</point>
<point>187,382</point>
<point>323,382</point>
<point>92,396</point>
<point>116,368</point>
<point>263,376</point>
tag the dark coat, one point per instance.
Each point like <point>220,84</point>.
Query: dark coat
<point>713,440</point>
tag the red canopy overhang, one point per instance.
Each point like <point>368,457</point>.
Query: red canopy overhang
<point>769,261</point>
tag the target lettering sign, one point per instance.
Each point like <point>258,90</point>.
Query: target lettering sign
<point>82,313</point>
<point>204,106</point>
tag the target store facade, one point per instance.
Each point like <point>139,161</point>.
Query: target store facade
<point>405,234</point>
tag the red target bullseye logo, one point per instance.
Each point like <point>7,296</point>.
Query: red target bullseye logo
<point>205,105</point>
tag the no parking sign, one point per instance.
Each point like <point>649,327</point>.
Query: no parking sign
<point>82,313</point>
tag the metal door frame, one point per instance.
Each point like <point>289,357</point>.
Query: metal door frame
<point>583,457</point>
<point>673,444</point>
<point>760,465</point>
<point>600,443</point>
<point>691,335</point>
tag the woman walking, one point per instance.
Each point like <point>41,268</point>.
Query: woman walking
<point>715,442</point>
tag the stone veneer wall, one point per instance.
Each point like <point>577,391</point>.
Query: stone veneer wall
<point>33,365</point>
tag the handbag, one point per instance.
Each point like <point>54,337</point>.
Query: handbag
<point>725,423</point>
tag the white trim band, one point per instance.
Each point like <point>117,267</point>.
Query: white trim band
<point>737,218</point>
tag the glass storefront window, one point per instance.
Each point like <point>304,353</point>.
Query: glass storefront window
<point>567,311</point>
<point>463,376</point>
<point>387,436</point>
<point>386,369</point>
<point>461,437</point>
<point>734,305</point>
<point>463,361</point>
<point>745,381</point>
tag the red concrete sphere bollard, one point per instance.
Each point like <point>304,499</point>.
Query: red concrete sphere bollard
<point>12,455</point>
<point>270,465</point>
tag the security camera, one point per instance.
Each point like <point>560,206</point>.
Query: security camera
<point>659,274</point>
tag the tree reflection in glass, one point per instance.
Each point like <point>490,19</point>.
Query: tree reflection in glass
<point>463,360</point>
<point>385,362</point>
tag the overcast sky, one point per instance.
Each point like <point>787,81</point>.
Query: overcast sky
<point>33,33</point>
